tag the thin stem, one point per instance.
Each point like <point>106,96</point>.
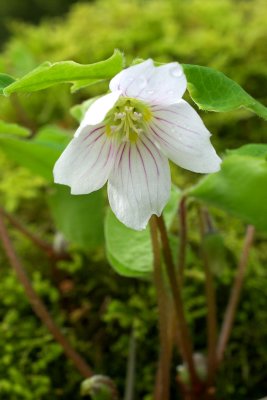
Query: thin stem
<point>184,337</point>
<point>182,239</point>
<point>23,116</point>
<point>235,295</point>
<point>46,247</point>
<point>37,304</point>
<point>131,366</point>
<point>206,228</point>
<point>163,373</point>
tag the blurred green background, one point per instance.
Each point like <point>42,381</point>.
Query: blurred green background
<point>97,308</point>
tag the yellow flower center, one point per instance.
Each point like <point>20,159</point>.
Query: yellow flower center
<point>127,120</point>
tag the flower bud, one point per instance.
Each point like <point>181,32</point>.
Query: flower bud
<point>99,387</point>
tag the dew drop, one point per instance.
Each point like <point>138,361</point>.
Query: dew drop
<point>129,80</point>
<point>170,92</point>
<point>150,91</point>
<point>176,71</point>
<point>141,82</point>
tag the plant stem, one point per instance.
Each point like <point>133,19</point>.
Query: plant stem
<point>23,117</point>
<point>37,305</point>
<point>184,337</point>
<point>131,365</point>
<point>163,374</point>
<point>235,295</point>
<point>46,247</point>
<point>182,239</point>
<point>212,328</point>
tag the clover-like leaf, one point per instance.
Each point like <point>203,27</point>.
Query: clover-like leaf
<point>213,91</point>
<point>49,74</point>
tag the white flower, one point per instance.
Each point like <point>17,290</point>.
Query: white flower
<point>126,137</point>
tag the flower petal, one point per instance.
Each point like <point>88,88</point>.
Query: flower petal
<point>156,85</point>
<point>183,137</point>
<point>139,184</point>
<point>86,163</point>
<point>98,110</point>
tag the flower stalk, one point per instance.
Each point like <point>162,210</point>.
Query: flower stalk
<point>182,239</point>
<point>162,386</point>
<point>205,229</point>
<point>235,295</point>
<point>37,304</point>
<point>183,333</point>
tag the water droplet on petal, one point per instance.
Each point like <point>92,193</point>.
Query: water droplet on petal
<point>170,92</point>
<point>176,71</point>
<point>141,82</point>
<point>150,91</point>
<point>129,80</point>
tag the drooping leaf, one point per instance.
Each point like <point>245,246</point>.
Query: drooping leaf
<point>130,252</point>
<point>83,83</point>
<point>49,74</point>
<point>79,218</point>
<point>240,188</point>
<point>5,80</point>
<point>78,111</point>
<point>213,91</point>
<point>252,149</point>
<point>13,129</point>
<point>38,154</point>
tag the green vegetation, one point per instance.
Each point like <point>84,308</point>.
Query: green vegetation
<point>97,309</point>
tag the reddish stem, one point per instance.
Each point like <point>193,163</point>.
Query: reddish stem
<point>235,295</point>
<point>163,374</point>
<point>46,247</point>
<point>37,305</point>
<point>184,336</point>
<point>182,239</point>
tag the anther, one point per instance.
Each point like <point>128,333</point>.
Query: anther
<point>128,109</point>
<point>137,115</point>
<point>119,115</point>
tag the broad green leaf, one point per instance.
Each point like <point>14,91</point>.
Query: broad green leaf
<point>129,252</point>
<point>5,80</point>
<point>253,150</point>
<point>79,218</point>
<point>38,154</point>
<point>13,129</point>
<point>213,91</point>
<point>78,111</point>
<point>49,74</point>
<point>240,188</point>
<point>83,83</point>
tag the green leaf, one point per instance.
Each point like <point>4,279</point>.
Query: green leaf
<point>83,83</point>
<point>5,80</point>
<point>79,218</point>
<point>78,111</point>
<point>213,91</point>
<point>253,150</point>
<point>13,129</point>
<point>49,74</point>
<point>38,154</point>
<point>240,188</point>
<point>130,252</point>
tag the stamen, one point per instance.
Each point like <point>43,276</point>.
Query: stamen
<point>132,116</point>
<point>137,115</point>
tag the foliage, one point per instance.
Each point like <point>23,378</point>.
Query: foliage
<point>97,309</point>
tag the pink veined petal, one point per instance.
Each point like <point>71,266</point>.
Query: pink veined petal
<point>133,79</point>
<point>182,136</point>
<point>163,85</point>
<point>86,162</point>
<point>98,110</point>
<point>139,184</point>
